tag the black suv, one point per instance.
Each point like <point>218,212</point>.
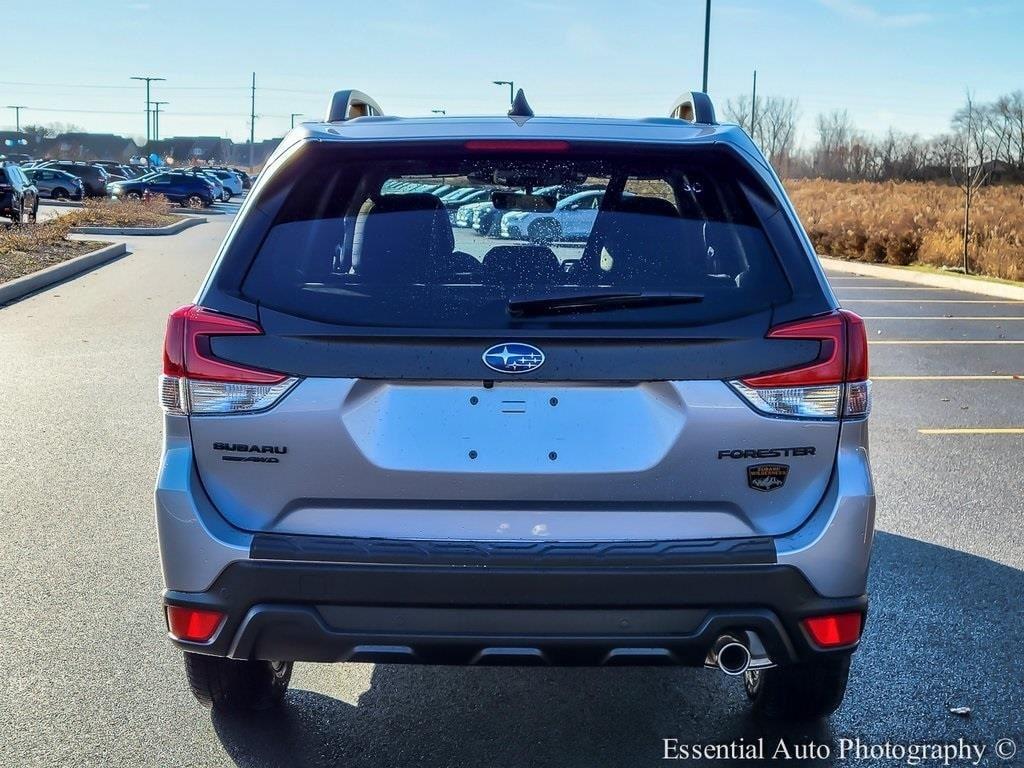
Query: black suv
<point>19,199</point>
<point>94,178</point>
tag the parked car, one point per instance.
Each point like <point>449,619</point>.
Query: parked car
<point>230,180</point>
<point>115,171</point>
<point>94,177</point>
<point>55,184</point>
<point>186,189</point>
<point>384,444</point>
<point>572,219</point>
<point>16,157</point>
<point>219,191</point>
<point>19,199</point>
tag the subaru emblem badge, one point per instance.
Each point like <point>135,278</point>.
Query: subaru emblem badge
<point>513,357</point>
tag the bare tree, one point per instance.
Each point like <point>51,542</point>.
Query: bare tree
<point>772,125</point>
<point>835,135</point>
<point>977,142</point>
<point>1009,110</point>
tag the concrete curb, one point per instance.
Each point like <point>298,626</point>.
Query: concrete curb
<point>170,229</point>
<point>44,278</point>
<point>952,282</point>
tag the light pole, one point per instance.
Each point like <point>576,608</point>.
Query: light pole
<point>511,89</point>
<point>156,118</point>
<point>441,112</point>
<point>294,115</point>
<point>17,115</point>
<point>707,42</point>
<point>148,80</point>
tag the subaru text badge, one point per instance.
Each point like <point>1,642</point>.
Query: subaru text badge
<point>513,357</point>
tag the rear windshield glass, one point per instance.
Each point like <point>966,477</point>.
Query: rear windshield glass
<point>459,239</point>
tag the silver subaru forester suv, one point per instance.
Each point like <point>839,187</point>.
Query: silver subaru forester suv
<point>635,435</point>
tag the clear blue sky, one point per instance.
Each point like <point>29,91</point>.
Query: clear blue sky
<point>900,62</point>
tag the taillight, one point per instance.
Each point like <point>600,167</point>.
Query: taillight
<point>834,630</point>
<point>194,625</point>
<point>835,384</point>
<point>195,382</point>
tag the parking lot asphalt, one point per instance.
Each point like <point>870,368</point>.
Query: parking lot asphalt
<point>91,679</point>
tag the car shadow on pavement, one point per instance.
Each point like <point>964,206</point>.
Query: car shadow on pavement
<point>943,631</point>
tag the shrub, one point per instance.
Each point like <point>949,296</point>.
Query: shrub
<point>911,222</point>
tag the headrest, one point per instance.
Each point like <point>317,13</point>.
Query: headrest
<point>651,206</point>
<point>409,243</point>
<point>521,265</point>
<point>415,201</point>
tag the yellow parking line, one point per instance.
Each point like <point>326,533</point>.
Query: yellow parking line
<point>975,431</point>
<point>940,317</point>
<point>1008,377</point>
<point>948,341</point>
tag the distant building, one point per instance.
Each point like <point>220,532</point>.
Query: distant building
<point>177,150</point>
<point>90,146</point>
<point>187,150</point>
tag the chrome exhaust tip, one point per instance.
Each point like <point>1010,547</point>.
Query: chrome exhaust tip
<point>731,656</point>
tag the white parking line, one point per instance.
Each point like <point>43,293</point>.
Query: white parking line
<point>937,301</point>
<point>1006,377</point>
<point>895,288</point>
<point>924,342</point>
<point>975,431</point>
<point>938,317</point>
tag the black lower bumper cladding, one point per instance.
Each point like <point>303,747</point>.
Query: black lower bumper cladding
<point>557,608</point>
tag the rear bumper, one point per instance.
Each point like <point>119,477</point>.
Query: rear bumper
<point>480,614</point>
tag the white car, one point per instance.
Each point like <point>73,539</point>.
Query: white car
<point>230,181</point>
<point>572,218</point>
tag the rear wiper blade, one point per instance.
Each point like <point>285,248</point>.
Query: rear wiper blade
<point>595,302</point>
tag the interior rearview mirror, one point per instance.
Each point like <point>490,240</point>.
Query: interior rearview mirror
<point>518,201</point>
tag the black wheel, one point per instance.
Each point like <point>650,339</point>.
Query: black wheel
<point>194,201</point>
<point>227,684</point>
<point>59,194</point>
<point>133,196</point>
<point>544,231</point>
<point>811,690</point>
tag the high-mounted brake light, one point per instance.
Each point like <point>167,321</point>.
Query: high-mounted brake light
<point>194,625</point>
<point>834,630</point>
<point>835,384</point>
<point>516,145</point>
<point>197,382</point>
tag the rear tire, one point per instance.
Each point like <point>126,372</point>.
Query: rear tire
<point>59,194</point>
<point>133,196</point>
<point>810,690</point>
<point>230,685</point>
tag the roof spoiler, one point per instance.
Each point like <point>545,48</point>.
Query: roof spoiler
<point>347,105</point>
<point>694,107</point>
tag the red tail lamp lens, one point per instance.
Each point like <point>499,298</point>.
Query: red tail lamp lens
<point>843,358</point>
<point>834,631</point>
<point>187,347</point>
<point>195,625</point>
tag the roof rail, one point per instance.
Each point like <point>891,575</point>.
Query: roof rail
<point>346,105</point>
<point>694,107</point>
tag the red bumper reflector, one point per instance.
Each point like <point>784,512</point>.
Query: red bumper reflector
<point>834,631</point>
<point>194,625</point>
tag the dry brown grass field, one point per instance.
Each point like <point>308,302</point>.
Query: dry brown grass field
<point>913,223</point>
